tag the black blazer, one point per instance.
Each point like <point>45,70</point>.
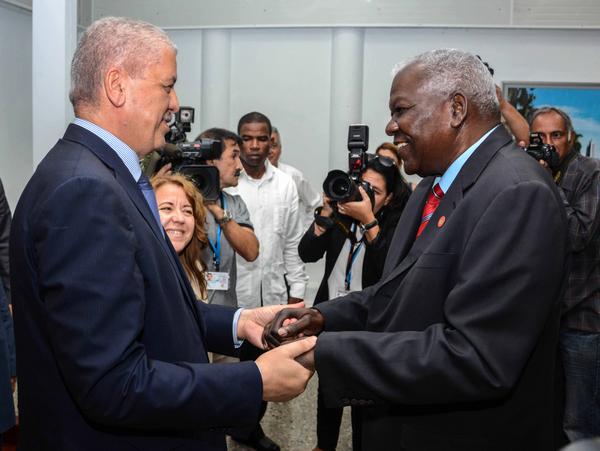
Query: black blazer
<point>4,236</point>
<point>111,343</point>
<point>312,248</point>
<point>7,340</point>
<point>7,365</point>
<point>454,349</point>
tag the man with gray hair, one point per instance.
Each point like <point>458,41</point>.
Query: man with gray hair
<point>454,348</point>
<point>112,343</point>
<point>578,179</point>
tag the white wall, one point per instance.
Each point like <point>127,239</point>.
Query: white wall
<point>15,101</point>
<point>286,74</point>
<point>515,55</point>
<point>368,13</point>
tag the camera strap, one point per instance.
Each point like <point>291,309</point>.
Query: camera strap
<point>355,247</point>
<point>560,171</point>
<point>216,246</point>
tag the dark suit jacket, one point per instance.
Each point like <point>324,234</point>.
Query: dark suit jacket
<point>455,348</point>
<point>111,344</point>
<point>312,248</point>
<point>4,235</point>
<point>7,365</point>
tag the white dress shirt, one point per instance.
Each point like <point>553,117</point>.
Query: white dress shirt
<point>272,202</point>
<point>308,197</point>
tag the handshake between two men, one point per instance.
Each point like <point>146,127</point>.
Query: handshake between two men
<point>288,332</point>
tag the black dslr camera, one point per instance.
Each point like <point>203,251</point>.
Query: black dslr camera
<point>189,158</point>
<point>540,151</point>
<point>342,187</point>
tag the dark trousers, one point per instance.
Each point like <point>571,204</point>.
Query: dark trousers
<point>329,420</point>
<point>248,352</point>
<point>581,362</point>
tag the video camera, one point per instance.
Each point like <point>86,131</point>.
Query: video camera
<point>540,151</point>
<point>189,158</point>
<point>342,187</point>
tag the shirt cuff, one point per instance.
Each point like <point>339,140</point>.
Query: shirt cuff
<point>297,290</point>
<point>236,317</point>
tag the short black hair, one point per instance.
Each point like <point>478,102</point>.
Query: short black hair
<point>253,117</point>
<point>221,134</point>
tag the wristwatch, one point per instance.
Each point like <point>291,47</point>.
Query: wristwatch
<point>225,219</point>
<point>369,226</point>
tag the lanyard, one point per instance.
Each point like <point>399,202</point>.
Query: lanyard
<point>216,247</point>
<point>354,250</point>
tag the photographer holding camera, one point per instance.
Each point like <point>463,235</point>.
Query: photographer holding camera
<point>354,236</point>
<point>229,228</point>
<point>579,180</point>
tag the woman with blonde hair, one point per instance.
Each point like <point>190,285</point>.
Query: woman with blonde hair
<point>183,217</point>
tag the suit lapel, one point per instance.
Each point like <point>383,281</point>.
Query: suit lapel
<point>409,249</point>
<point>404,235</point>
<point>475,165</point>
<point>109,157</point>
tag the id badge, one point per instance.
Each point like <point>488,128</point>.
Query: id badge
<point>217,280</point>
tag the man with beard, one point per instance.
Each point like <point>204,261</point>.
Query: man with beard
<point>228,226</point>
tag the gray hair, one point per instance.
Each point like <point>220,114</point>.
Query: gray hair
<point>552,109</point>
<point>451,70</point>
<point>113,41</point>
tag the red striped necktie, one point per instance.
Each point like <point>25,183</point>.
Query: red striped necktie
<point>432,202</point>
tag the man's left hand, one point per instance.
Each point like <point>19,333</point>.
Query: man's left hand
<point>292,300</point>
<point>361,210</point>
<point>252,322</point>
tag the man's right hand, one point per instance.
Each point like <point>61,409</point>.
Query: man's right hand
<point>283,377</point>
<point>290,324</point>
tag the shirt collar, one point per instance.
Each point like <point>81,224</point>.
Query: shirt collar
<point>448,177</point>
<point>125,153</point>
<point>269,171</point>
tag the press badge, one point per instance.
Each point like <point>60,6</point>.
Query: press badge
<point>217,280</point>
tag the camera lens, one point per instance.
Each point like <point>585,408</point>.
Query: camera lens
<point>185,115</point>
<point>338,186</point>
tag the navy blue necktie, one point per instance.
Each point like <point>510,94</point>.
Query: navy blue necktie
<point>148,193</point>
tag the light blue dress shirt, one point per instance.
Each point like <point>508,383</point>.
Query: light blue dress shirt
<point>127,155</point>
<point>448,177</point>
<point>132,162</point>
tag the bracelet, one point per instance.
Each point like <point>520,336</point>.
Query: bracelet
<point>369,226</point>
